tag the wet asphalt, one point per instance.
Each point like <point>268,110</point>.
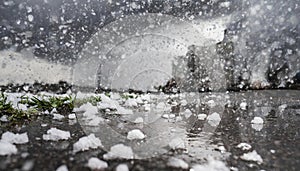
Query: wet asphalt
<point>277,141</point>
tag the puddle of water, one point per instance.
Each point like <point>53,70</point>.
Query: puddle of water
<point>171,121</point>
<point>276,142</point>
<point>165,121</point>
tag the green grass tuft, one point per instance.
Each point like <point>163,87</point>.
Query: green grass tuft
<point>93,100</point>
<point>63,105</point>
<point>128,96</point>
<point>6,108</point>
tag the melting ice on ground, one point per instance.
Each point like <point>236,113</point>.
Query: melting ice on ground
<point>252,156</point>
<point>8,139</point>
<point>119,151</point>
<point>55,134</point>
<point>97,164</point>
<point>87,142</point>
<point>177,163</point>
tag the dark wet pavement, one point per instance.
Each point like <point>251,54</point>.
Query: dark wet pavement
<point>277,140</point>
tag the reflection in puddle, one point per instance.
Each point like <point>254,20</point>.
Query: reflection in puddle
<point>170,119</point>
<point>203,125</point>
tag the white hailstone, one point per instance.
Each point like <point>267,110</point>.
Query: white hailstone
<point>171,116</point>
<point>257,123</point>
<point>147,107</point>
<point>161,106</point>
<point>122,167</point>
<point>222,149</point>
<point>202,116</point>
<point>90,110</point>
<point>95,121</point>
<point>211,103</point>
<point>131,103</point>
<point>87,142</point>
<point>177,143</point>
<point>22,107</point>
<point>243,106</point>
<point>30,17</point>
<point>4,118</point>
<point>212,165</point>
<point>135,134</point>
<point>177,163</point>
<point>53,111</point>
<point>225,4</point>
<point>62,168</point>
<point>27,165</point>
<point>86,107</point>
<point>15,138</point>
<point>187,113</point>
<point>119,151</point>
<point>257,127</point>
<point>7,148</point>
<point>257,120</point>
<point>58,116</point>
<point>252,156</point>
<point>139,100</point>
<point>183,102</point>
<point>97,164</point>
<point>178,118</point>
<point>282,107</point>
<point>55,134</point>
<point>72,116</point>
<point>214,119</point>
<point>146,97</point>
<point>138,120</point>
<point>165,116</point>
<point>244,146</point>
<point>122,111</point>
